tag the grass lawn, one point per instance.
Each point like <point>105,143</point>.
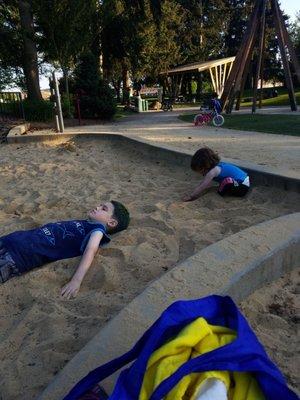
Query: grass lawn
<point>186,105</point>
<point>121,113</point>
<point>280,124</point>
<point>281,100</point>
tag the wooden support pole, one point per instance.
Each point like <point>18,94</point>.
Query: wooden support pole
<point>224,76</point>
<point>234,79</point>
<point>290,46</point>
<point>286,67</point>
<point>220,81</point>
<point>260,53</point>
<point>239,58</point>
<point>262,71</point>
<point>248,53</point>
<point>244,76</point>
<point>58,104</point>
<point>212,79</point>
<point>216,78</point>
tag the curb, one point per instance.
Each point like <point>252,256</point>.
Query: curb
<point>18,130</point>
<point>235,266</point>
<point>260,175</point>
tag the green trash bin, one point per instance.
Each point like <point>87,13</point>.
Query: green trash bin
<point>146,105</point>
<point>140,104</point>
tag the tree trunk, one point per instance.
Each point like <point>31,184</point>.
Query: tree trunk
<point>117,87</point>
<point>199,84</point>
<point>126,83</point>
<point>30,63</point>
<point>66,78</point>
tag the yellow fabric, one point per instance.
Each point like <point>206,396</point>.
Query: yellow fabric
<point>195,339</point>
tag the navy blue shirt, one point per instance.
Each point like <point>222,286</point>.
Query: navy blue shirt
<point>51,242</point>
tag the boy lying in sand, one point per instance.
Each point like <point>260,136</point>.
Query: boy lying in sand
<point>22,251</point>
<point>232,180</point>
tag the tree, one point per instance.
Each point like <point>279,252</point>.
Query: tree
<point>65,28</point>
<point>116,26</point>
<point>30,59</point>
<point>134,43</point>
<point>295,34</point>
<point>238,12</point>
<point>6,78</point>
<point>158,47</point>
<point>96,98</point>
<point>18,52</point>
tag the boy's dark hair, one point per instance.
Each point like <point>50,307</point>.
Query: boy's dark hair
<point>122,216</point>
<point>204,158</point>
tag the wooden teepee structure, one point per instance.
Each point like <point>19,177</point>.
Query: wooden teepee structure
<point>234,85</point>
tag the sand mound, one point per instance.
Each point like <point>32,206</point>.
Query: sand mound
<point>40,183</point>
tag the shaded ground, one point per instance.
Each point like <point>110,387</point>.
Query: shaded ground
<point>5,126</point>
<point>39,331</point>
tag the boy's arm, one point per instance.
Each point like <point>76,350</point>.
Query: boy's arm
<point>203,185</point>
<point>72,288</point>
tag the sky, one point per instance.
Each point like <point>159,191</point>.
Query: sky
<point>290,7</point>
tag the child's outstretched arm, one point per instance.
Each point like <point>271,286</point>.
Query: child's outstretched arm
<point>72,288</point>
<point>205,184</point>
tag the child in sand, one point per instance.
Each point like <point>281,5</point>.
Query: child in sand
<point>232,180</point>
<point>22,251</point>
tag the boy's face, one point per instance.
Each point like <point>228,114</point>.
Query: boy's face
<point>104,214</point>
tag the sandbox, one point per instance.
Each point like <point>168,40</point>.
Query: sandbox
<point>62,180</point>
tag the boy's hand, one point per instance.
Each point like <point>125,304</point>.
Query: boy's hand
<point>70,289</point>
<point>187,197</point>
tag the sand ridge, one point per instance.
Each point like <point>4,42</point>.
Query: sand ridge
<point>40,183</point>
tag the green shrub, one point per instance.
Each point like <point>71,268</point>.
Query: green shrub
<point>107,104</point>
<point>88,106</point>
<point>67,105</point>
<point>38,110</point>
<point>96,98</point>
<point>103,107</point>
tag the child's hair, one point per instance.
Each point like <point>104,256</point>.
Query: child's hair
<point>205,159</point>
<point>121,214</point>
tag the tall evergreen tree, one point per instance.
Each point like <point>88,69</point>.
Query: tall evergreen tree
<point>66,29</point>
<point>237,18</point>
<point>18,43</point>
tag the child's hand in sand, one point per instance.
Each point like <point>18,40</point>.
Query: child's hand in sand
<point>187,197</point>
<point>70,289</point>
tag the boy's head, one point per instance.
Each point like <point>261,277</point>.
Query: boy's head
<point>112,214</point>
<point>204,160</point>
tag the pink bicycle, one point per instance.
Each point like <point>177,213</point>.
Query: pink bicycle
<point>206,118</point>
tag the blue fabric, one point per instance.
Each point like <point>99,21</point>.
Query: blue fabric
<point>216,105</point>
<point>243,354</point>
<point>51,242</point>
<point>230,171</point>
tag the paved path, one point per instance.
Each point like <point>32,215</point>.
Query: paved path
<point>166,130</point>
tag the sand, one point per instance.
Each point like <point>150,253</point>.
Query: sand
<point>39,330</point>
<point>274,313</point>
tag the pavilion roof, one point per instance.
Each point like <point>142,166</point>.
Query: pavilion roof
<point>199,66</point>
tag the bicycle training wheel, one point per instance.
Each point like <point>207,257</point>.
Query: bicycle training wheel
<point>198,120</point>
<point>218,120</point>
